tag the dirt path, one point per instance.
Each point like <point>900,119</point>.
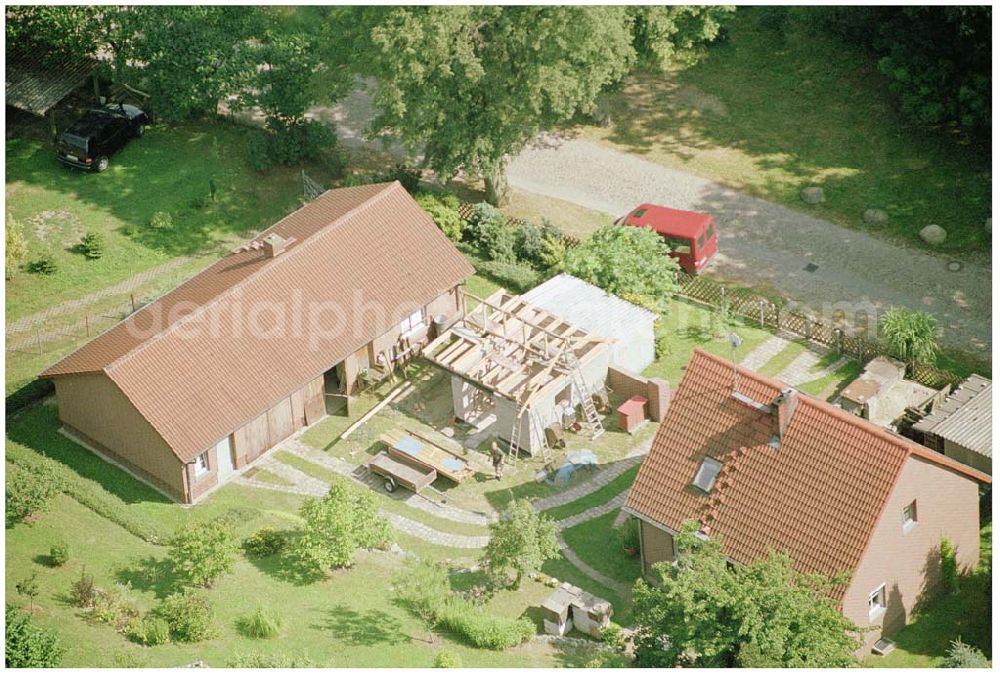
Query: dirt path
<point>765,244</point>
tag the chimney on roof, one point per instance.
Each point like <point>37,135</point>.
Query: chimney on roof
<point>784,408</point>
<point>274,244</point>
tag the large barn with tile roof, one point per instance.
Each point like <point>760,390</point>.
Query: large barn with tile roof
<point>194,386</point>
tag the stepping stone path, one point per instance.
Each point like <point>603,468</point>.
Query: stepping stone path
<point>764,352</point>
<point>803,368</point>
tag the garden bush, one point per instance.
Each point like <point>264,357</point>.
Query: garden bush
<point>409,178</point>
<point>289,143</point>
<point>113,606</point>
<point>515,277</point>
<point>189,616</point>
<point>161,220</point>
<point>148,630</point>
<point>949,567</point>
<point>28,491</point>
<point>532,242</point>
<point>613,636</point>
<point>963,656</point>
<point>205,551</point>
<point>82,591</point>
<point>447,659</point>
<point>43,265</point>
<point>443,210</point>
<point>59,553</point>
<point>484,217</point>
<point>265,542</point>
<point>260,623</point>
<point>629,534</point>
<point>92,245</point>
<point>482,629</point>
<point>28,646</point>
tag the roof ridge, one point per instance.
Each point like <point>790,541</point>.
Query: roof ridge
<point>907,446</point>
<point>241,284</point>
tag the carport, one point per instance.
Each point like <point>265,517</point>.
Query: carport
<point>38,81</point>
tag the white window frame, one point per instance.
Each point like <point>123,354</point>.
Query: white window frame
<point>414,322</point>
<point>878,595</point>
<point>201,464</point>
<point>910,519</point>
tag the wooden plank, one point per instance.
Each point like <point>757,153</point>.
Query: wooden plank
<point>375,409</point>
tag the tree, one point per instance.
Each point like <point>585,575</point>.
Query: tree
<point>16,248</point>
<point>964,656</point>
<point>472,85</point>
<point>706,613</point>
<point>64,29</point>
<point>911,335</point>
<point>337,525</point>
<point>625,261</point>
<point>204,552</point>
<point>28,587</point>
<point>675,34</point>
<point>92,245</point>
<point>28,646</point>
<point>520,541</point>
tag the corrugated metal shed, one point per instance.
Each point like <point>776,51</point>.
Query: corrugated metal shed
<point>965,418</point>
<point>602,314</point>
<point>37,81</point>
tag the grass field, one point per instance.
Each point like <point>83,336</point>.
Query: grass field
<point>597,543</point>
<point>770,115</point>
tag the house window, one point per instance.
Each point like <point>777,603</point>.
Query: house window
<point>876,603</point>
<point>201,464</point>
<point>412,323</point>
<point>707,472</point>
<point>909,516</point>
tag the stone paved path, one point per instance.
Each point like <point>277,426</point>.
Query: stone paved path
<point>594,512</point>
<point>603,477</point>
<point>803,368</point>
<point>764,352</point>
<point>620,588</point>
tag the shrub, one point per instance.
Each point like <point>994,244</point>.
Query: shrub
<point>59,553</point>
<point>962,656</point>
<point>16,248</point>
<point>949,567</point>
<point>43,265</point>
<point>189,616</point>
<point>92,245</point>
<point>148,630</point>
<point>661,348</point>
<point>606,659</point>
<point>28,646</point>
<point>482,629</point>
<point>113,606</point>
<point>516,277</point>
<point>910,335</point>
<point>447,659</point>
<point>205,551</point>
<point>28,587</point>
<point>28,492</point>
<point>161,220</point>
<point>553,256</point>
<point>289,143</point>
<point>625,261</point>
<point>484,216</point>
<point>260,623</point>
<point>613,635</point>
<point>444,213</point>
<point>629,534</point>
<point>256,660</point>
<point>82,591</point>
<point>531,242</point>
<point>337,525</point>
<point>265,542</point>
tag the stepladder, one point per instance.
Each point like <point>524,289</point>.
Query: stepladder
<point>527,418</point>
<point>586,397</point>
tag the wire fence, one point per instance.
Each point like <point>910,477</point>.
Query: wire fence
<point>52,336</point>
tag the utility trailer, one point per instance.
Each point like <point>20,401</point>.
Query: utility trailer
<point>396,473</point>
<point>414,450</point>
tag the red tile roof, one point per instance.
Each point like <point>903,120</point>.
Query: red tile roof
<point>818,495</point>
<point>196,385</point>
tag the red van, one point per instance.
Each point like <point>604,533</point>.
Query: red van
<point>690,235</point>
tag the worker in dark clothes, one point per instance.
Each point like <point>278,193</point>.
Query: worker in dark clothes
<point>497,456</point>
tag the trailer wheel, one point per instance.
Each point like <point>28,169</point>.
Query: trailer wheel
<point>390,484</point>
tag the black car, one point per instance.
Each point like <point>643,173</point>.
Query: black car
<point>99,134</point>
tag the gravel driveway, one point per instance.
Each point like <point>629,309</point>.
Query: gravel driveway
<point>762,243</point>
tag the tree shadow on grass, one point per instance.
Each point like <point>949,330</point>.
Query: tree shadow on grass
<point>364,628</point>
<point>285,567</point>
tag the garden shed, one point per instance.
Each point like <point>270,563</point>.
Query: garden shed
<point>602,314</point>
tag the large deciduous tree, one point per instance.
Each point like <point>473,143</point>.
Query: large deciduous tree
<point>707,613</point>
<point>337,525</point>
<point>470,86</point>
<point>666,35</point>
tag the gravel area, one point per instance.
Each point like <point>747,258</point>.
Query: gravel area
<point>762,243</point>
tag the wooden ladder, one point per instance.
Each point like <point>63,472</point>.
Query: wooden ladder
<point>590,413</point>
<point>533,426</point>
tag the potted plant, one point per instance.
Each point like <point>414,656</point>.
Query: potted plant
<point>629,533</point>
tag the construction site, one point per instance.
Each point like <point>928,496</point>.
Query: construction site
<point>529,374</point>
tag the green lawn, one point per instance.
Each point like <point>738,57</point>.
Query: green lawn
<point>771,115</point>
<point>599,497</point>
<point>782,360</point>
<point>597,543</point>
<point>965,614</point>
<point>688,325</point>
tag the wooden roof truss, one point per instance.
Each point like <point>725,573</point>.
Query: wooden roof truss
<point>510,348</point>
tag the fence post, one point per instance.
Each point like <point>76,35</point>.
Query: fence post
<point>131,298</point>
<point>722,297</point>
<point>86,323</point>
<point>38,341</point>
